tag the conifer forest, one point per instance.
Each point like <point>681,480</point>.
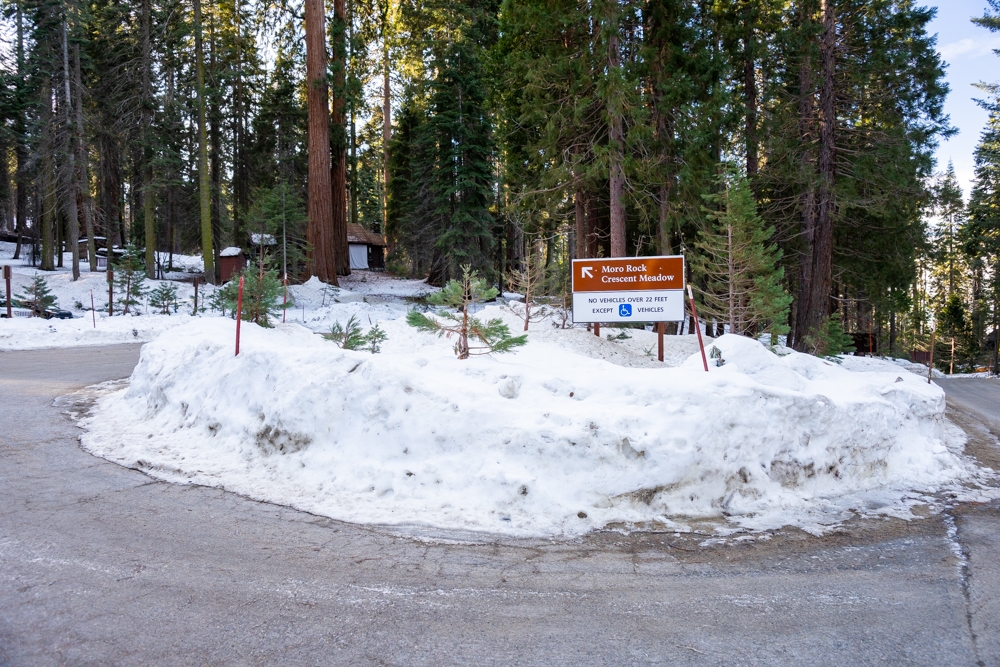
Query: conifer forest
<point>784,147</point>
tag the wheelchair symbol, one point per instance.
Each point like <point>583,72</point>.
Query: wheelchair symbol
<point>624,310</point>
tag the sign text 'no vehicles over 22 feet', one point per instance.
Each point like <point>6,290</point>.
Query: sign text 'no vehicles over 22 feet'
<point>632,289</point>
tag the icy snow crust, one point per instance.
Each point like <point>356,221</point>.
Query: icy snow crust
<point>547,441</point>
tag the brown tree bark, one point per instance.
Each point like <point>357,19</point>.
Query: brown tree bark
<point>338,156</point>
<point>750,97</point>
<point>807,200</point>
<point>68,169</point>
<point>822,264</point>
<point>616,136</point>
<point>149,224</point>
<point>20,145</point>
<point>321,260</point>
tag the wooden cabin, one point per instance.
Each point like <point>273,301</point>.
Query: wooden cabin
<point>367,249</point>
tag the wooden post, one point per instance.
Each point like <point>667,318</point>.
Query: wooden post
<point>239,315</point>
<point>93,310</point>
<point>284,302</point>
<point>930,364</point>
<point>111,289</point>
<point>6,278</point>
<point>951,368</point>
<point>597,329</point>
<point>196,295</point>
<point>660,326</point>
<point>697,327</point>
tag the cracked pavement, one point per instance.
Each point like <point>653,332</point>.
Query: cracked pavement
<point>101,565</point>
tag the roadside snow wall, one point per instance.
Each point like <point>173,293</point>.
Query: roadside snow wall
<point>542,442</point>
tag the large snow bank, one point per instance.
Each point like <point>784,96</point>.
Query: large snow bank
<point>545,441</point>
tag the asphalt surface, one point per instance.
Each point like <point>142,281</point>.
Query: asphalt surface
<point>102,565</point>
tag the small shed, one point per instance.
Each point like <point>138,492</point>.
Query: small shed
<point>231,261</point>
<point>367,249</point>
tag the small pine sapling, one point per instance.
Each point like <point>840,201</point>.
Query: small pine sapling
<point>130,279</point>
<point>374,338</point>
<point>163,297</point>
<point>36,297</point>
<point>461,294</point>
<point>349,336</point>
<point>262,294</point>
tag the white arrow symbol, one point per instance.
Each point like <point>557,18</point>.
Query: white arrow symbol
<point>585,272</point>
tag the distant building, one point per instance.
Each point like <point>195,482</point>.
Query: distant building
<point>367,248</point>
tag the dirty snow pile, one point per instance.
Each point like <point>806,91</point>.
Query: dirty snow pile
<point>545,441</point>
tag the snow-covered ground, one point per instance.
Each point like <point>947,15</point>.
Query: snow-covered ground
<point>570,433</point>
<point>546,441</point>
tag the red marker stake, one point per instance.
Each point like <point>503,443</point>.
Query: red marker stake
<point>7,271</point>
<point>93,311</point>
<point>239,315</point>
<point>697,327</point>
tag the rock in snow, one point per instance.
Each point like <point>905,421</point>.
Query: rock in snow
<point>546,441</point>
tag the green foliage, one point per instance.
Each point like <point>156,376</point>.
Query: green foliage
<point>461,294</point>
<point>830,341</point>
<point>738,265</point>
<point>349,336</point>
<point>36,296</point>
<point>281,212</point>
<point>163,297</point>
<point>129,280</point>
<point>262,296</point>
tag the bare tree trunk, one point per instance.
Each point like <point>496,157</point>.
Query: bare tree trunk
<point>616,157</point>
<point>48,187</point>
<point>241,177</point>
<point>83,177</point>
<point>750,96</point>
<point>20,147</point>
<point>822,269</point>
<point>204,188</point>
<point>69,169</point>
<point>322,262</point>
<point>580,205</point>
<point>147,151</point>
<point>807,200</point>
<point>386,127</point>
<point>339,156</point>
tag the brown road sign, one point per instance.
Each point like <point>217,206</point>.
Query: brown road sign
<point>628,289</point>
<point>639,273</point>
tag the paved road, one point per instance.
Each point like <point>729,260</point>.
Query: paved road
<point>978,395</point>
<point>101,565</point>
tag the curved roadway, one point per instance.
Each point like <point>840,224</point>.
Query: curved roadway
<point>101,565</point>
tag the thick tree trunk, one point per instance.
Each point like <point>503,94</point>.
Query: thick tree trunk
<point>322,261</point>
<point>149,225</point>
<point>386,132</point>
<point>20,146</point>
<point>750,97</point>
<point>807,200</point>
<point>339,155</point>
<point>580,206</point>
<point>69,168</point>
<point>48,187</point>
<point>204,188</point>
<point>241,176</point>
<point>83,172</point>
<point>822,264</point>
<point>616,137</point>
